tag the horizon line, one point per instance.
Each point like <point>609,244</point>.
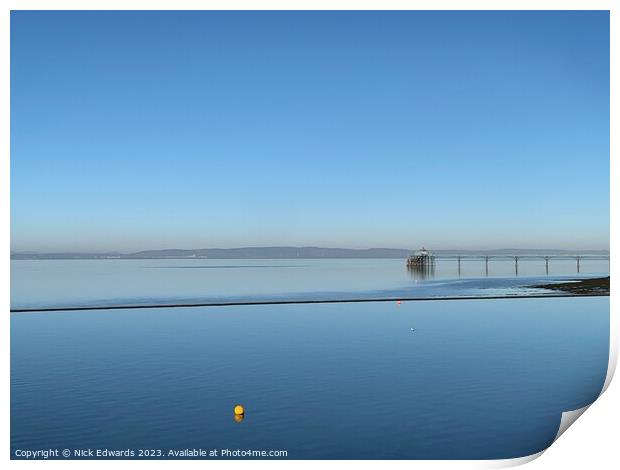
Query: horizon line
<point>132,252</point>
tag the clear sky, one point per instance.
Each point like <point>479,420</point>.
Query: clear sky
<point>471,130</point>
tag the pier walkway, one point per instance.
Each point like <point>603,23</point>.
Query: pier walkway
<point>546,258</point>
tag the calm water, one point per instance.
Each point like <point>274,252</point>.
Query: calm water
<point>475,379</point>
<point>113,282</point>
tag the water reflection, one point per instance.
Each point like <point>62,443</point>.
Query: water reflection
<point>49,283</point>
<point>421,272</point>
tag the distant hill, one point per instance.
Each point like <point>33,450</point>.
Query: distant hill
<point>271,252</point>
<point>290,252</point>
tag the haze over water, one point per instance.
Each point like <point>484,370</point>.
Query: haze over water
<point>83,283</point>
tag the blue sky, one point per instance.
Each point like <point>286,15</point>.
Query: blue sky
<point>146,130</point>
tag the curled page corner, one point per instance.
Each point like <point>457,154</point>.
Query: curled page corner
<point>515,462</point>
<point>568,418</point>
<point>614,323</point>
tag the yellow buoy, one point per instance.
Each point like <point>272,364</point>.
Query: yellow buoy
<point>239,410</point>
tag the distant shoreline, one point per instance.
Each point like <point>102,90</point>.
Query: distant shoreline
<point>289,252</point>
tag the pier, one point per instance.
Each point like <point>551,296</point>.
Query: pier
<point>425,258</point>
<point>421,258</point>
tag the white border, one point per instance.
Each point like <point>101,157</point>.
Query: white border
<point>592,441</point>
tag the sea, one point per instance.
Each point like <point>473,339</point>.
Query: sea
<point>453,375</point>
